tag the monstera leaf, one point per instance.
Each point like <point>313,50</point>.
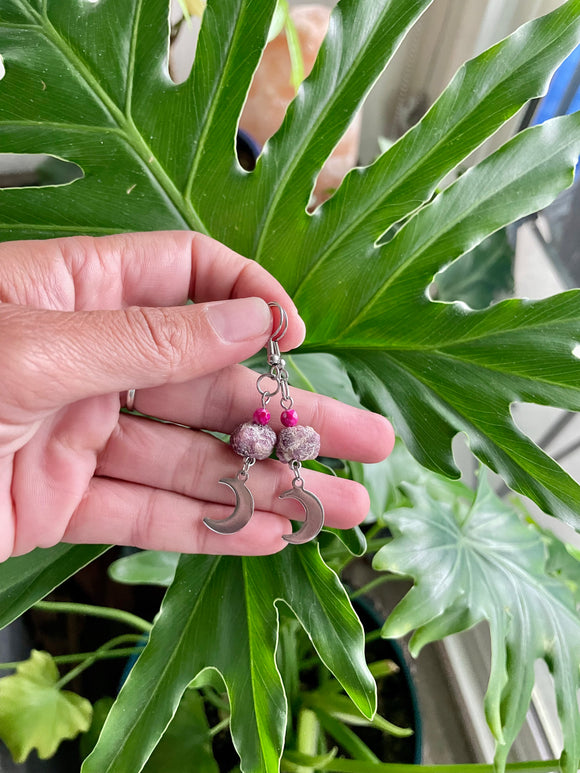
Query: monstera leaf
<point>89,82</point>
<point>220,614</point>
<point>485,564</point>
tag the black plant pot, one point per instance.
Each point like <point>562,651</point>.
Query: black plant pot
<point>397,696</point>
<point>397,702</point>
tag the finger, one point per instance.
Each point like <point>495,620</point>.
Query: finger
<point>52,358</point>
<point>222,400</point>
<point>141,269</point>
<point>149,518</point>
<point>191,463</point>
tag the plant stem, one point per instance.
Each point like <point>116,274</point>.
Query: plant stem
<point>356,766</point>
<point>373,635</point>
<point>377,544</point>
<point>308,729</point>
<point>374,530</point>
<point>219,727</point>
<point>96,655</point>
<point>93,611</point>
<point>122,652</point>
<point>374,584</point>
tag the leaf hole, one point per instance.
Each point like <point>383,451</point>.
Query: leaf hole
<point>554,430</point>
<point>576,351</point>
<point>23,170</point>
<point>2,67</point>
<point>182,43</point>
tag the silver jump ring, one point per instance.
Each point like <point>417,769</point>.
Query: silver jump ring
<point>130,400</point>
<point>280,331</point>
<point>266,392</point>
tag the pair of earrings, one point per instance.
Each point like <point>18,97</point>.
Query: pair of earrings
<point>256,440</point>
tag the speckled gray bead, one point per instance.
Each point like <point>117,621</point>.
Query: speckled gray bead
<point>295,444</point>
<point>253,440</point>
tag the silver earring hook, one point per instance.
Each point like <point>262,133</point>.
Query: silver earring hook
<point>280,331</point>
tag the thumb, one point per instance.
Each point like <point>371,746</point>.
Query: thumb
<point>51,358</point>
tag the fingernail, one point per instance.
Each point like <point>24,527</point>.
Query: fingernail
<point>240,319</point>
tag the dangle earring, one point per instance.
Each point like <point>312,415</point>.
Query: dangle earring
<point>256,440</point>
<point>296,443</point>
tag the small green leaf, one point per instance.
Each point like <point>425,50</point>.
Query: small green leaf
<point>345,737</point>
<point>342,708</point>
<point>101,710</point>
<point>382,668</point>
<point>563,563</point>
<point>485,564</point>
<point>34,713</point>
<point>308,760</point>
<point>147,567</point>
<point>186,739</point>
<point>353,539</point>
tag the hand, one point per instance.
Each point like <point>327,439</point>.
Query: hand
<point>82,320</point>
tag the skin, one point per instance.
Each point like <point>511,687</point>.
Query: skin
<point>84,319</point>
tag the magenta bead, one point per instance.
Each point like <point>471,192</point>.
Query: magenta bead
<point>289,418</point>
<point>261,416</point>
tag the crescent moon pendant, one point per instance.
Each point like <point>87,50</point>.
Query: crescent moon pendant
<point>314,515</point>
<point>243,510</point>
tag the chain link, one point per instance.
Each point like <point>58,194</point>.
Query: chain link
<point>242,475</point>
<point>279,373</point>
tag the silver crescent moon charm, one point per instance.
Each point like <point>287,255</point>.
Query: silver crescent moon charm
<point>314,510</point>
<point>243,510</point>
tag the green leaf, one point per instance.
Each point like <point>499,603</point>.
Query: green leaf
<point>101,708</point>
<point>307,760</point>
<point>481,276</point>
<point>346,737</point>
<point>187,738</point>
<point>24,580</point>
<point>563,563</point>
<point>428,376</point>
<point>354,540</point>
<point>321,373</point>
<point>341,708</point>
<point>34,713</point>
<point>220,614</point>
<point>487,565</point>
<point>147,567</point>
<point>385,482</point>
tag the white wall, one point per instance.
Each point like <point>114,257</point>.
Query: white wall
<point>449,32</point>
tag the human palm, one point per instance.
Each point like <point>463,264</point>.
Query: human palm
<point>82,320</point>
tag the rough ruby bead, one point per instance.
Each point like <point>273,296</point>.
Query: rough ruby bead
<point>261,416</point>
<point>253,440</point>
<point>295,444</point>
<point>289,418</point>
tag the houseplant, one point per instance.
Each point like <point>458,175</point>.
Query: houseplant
<point>159,155</point>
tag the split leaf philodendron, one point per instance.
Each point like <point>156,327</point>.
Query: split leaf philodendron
<point>483,563</point>
<point>220,613</point>
<point>88,82</point>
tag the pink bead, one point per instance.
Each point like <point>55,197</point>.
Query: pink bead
<point>289,418</point>
<point>261,416</point>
